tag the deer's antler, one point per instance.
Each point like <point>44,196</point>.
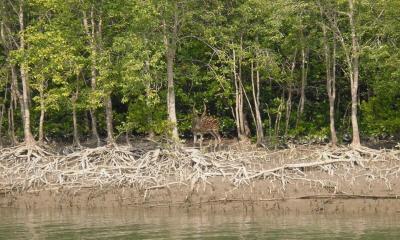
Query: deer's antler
<point>205,110</point>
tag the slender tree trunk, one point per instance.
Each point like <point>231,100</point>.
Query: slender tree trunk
<point>151,133</point>
<point>245,122</point>
<point>93,83</point>
<point>15,99</point>
<point>237,105</point>
<point>241,102</point>
<point>304,70</point>
<point>28,137</point>
<point>244,126</point>
<point>14,90</point>
<point>11,127</point>
<point>93,119</point>
<point>330,63</point>
<point>239,113</point>
<point>3,105</point>
<point>1,124</point>
<point>127,139</point>
<point>171,93</point>
<point>91,33</point>
<point>41,120</point>
<point>109,120</point>
<point>279,115</point>
<point>256,98</point>
<point>77,142</point>
<point>95,134</point>
<point>352,60</point>
<point>288,109</point>
<point>290,93</point>
<point>170,40</point>
<point>74,98</point>
<point>332,95</point>
<point>107,99</point>
<point>355,76</point>
<point>15,94</point>
<point>258,113</point>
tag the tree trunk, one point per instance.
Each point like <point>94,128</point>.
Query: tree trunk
<point>11,127</point>
<point>95,134</point>
<point>15,96</point>
<point>269,122</point>
<point>256,98</point>
<point>304,70</point>
<point>288,109</point>
<point>109,120</point>
<point>6,49</point>
<point>244,126</point>
<point>127,139</point>
<point>237,119</point>
<point>332,95</point>
<point>352,59</point>
<point>171,93</point>
<point>330,63</point>
<point>241,101</point>
<point>1,124</point>
<point>28,137</point>
<point>239,113</point>
<point>242,130</point>
<point>170,40</point>
<point>14,89</point>
<point>354,76</point>
<point>41,120</point>
<point>15,99</point>
<point>92,42</point>
<point>290,93</point>
<point>279,115</point>
<point>107,99</point>
<point>76,140</point>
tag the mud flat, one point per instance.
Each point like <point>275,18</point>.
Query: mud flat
<point>303,179</point>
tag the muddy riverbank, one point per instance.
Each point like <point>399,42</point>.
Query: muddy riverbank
<point>218,198</point>
<point>299,179</point>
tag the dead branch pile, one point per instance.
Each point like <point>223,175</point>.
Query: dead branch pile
<point>24,169</point>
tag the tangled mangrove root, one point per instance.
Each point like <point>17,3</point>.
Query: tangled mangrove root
<point>24,169</point>
<point>26,153</point>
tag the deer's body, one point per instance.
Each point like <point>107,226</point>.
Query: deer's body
<point>205,125</point>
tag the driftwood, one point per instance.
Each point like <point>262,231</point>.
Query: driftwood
<point>23,169</point>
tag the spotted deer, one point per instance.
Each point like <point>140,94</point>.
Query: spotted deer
<point>205,125</point>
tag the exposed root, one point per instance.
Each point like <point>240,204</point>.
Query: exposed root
<point>34,167</point>
<point>24,152</point>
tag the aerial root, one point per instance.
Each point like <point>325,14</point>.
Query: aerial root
<point>23,152</point>
<point>34,167</point>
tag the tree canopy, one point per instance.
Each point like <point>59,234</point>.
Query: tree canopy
<point>266,69</point>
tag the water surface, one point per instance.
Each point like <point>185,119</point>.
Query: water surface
<point>181,224</point>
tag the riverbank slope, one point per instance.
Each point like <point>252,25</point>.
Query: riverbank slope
<point>310,178</point>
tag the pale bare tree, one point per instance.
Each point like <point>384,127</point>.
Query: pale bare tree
<point>90,30</point>
<point>28,137</point>
<point>352,54</point>
<point>330,67</point>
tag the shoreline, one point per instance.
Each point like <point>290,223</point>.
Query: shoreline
<point>246,198</point>
<point>305,178</point>
<point>307,204</point>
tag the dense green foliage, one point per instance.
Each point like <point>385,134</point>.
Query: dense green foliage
<point>219,43</point>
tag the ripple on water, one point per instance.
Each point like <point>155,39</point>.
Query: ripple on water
<point>131,224</point>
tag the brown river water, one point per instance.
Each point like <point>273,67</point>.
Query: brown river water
<point>184,224</point>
